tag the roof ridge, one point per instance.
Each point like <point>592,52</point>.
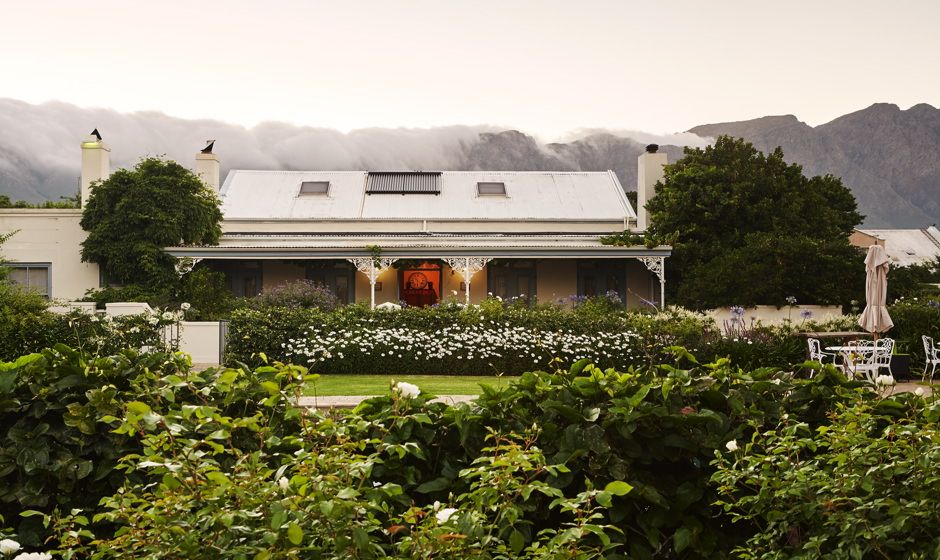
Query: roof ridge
<point>931,237</point>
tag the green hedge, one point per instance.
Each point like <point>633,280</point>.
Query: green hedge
<point>501,338</point>
<point>29,330</point>
<point>576,463</point>
<point>913,319</point>
<point>398,341</point>
<point>59,449</point>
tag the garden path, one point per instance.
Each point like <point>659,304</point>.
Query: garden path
<point>326,403</point>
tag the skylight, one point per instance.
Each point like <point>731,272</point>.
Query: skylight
<point>314,188</point>
<point>491,189</point>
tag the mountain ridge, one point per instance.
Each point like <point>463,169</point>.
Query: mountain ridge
<point>888,157</point>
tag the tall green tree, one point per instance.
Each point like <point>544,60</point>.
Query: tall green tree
<point>131,216</point>
<point>749,228</point>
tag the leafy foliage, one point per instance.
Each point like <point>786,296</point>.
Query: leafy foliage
<point>627,238</point>
<point>59,411</point>
<point>131,216</point>
<point>27,326</point>
<point>296,294</point>
<point>862,486</point>
<point>917,280</point>
<point>203,288</point>
<point>355,337</point>
<point>914,318</point>
<point>66,202</point>
<point>748,228</point>
<point>580,463</point>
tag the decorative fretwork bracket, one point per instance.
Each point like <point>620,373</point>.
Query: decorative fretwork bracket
<point>371,267</point>
<point>468,266</point>
<point>184,265</point>
<point>654,265</point>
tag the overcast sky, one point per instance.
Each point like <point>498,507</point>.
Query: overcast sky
<point>545,67</point>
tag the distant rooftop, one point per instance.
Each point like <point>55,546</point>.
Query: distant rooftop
<point>909,246</point>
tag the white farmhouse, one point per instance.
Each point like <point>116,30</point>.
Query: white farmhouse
<point>385,236</point>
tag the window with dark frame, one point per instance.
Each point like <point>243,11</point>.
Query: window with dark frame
<point>491,189</point>
<point>321,188</point>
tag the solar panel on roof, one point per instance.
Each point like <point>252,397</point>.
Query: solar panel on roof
<point>394,182</point>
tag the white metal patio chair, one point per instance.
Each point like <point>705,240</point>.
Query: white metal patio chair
<point>817,354</point>
<point>867,359</point>
<point>933,357</point>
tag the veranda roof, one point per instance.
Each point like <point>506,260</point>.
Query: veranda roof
<point>411,245</point>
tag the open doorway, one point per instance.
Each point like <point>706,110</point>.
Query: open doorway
<point>420,284</point>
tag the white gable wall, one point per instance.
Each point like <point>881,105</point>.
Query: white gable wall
<point>50,236</point>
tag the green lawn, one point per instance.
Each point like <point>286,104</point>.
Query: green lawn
<point>335,385</point>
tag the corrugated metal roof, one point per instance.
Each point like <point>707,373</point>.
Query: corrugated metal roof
<point>399,245</point>
<point>909,246</point>
<point>415,182</point>
<point>535,195</point>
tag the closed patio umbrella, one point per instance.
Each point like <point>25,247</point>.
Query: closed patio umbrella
<point>875,318</point>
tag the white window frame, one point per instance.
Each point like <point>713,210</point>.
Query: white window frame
<point>47,266</point>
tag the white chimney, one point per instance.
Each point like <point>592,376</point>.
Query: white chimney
<point>649,172</point>
<point>96,163</point>
<point>207,166</point>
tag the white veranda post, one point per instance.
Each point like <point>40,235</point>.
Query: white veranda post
<point>468,266</point>
<point>655,265</point>
<point>371,267</point>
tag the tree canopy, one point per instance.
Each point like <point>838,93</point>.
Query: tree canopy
<point>131,216</point>
<point>749,228</point>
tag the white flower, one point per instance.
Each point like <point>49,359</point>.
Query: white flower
<point>185,306</point>
<point>34,556</point>
<point>884,380</point>
<point>153,320</point>
<point>920,391</point>
<point>108,319</point>
<point>8,547</point>
<point>732,445</point>
<point>407,390</point>
<point>283,483</point>
<point>454,292</point>
<point>444,515</point>
<point>167,316</point>
<point>93,319</point>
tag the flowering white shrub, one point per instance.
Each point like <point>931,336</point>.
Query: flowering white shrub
<point>407,390</point>
<point>34,556</point>
<point>8,547</point>
<point>490,344</point>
